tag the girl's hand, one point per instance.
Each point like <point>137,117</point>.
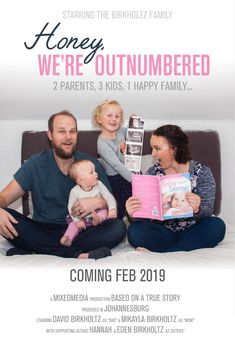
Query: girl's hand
<point>123,147</point>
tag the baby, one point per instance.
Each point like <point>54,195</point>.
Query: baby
<point>179,205</point>
<point>84,175</point>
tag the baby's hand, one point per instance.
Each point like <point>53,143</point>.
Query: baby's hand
<point>80,225</point>
<point>112,214</point>
<point>95,219</point>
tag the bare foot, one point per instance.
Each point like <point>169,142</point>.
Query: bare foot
<point>83,256</point>
<point>95,219</point>
<point>66,241</point>
<point>142,249</point>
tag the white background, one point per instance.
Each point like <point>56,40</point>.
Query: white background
<point>202,27</point>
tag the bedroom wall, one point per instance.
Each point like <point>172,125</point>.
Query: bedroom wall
<point>10,148</point>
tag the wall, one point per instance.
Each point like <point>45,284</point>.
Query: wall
<point>10,148</point>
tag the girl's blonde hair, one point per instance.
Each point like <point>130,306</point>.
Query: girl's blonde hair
<point>98,110</point>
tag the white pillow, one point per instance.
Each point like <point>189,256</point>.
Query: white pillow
<point>146,162</point>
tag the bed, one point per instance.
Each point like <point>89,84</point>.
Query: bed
<point>205,146</point>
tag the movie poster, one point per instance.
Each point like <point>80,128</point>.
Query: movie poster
<point>168,62</point>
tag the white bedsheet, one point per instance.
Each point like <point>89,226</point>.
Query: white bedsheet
<point>125,255</point>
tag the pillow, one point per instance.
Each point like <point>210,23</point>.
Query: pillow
<point>146,162</point>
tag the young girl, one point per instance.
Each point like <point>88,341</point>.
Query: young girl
<point>111,146</point>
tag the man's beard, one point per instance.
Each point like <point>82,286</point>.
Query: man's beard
<point>61,153</point>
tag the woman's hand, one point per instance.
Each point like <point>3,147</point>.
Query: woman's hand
<point>194,201</point>
<point>132,204</point>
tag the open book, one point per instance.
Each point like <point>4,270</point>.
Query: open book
<point>162,197</point>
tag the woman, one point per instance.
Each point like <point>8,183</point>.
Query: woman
<point>170,148</point>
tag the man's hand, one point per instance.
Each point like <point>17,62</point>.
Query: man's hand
<point>87,205</point>
<point>9,194</point>
<point>6,228</point>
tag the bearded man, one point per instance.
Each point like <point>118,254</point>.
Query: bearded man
<point>45,175</point>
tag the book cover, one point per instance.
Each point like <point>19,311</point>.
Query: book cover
<point>163,197</point>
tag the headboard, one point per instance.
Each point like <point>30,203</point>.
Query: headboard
<point>205,147</point>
